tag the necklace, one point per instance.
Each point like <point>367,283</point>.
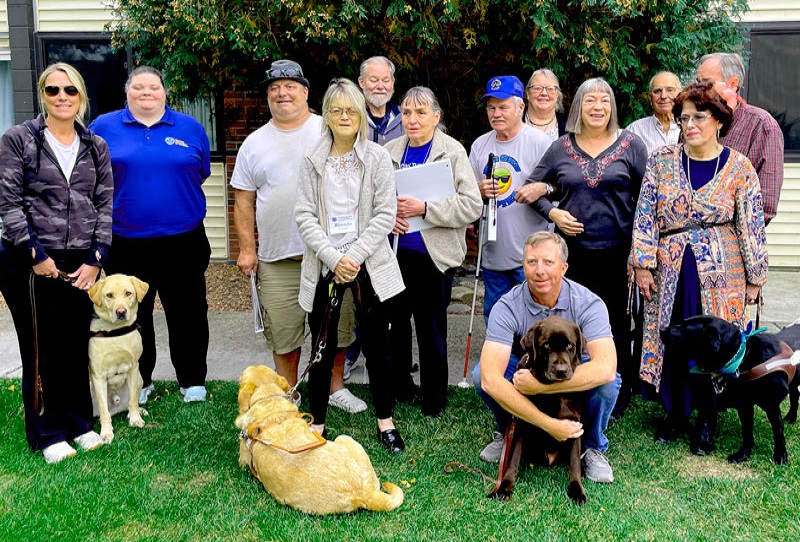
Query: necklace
<point>689,167</point>
<point>548,123</point>
<point>404,162</point>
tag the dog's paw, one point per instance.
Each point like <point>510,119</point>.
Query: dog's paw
<point>739,457</point>
<point>576,493</point>
<point>790,418</point>
<point>135,420</point>
<point>499,495</point>
<point>781,458</point>
<point>107,436</point>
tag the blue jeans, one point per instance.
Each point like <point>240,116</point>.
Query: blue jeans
<point>599,404</point>
<point>496,284</point>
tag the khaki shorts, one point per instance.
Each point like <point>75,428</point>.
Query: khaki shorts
<point>284,319</point>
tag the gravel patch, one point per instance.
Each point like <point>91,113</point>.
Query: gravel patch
<point>226,289</point>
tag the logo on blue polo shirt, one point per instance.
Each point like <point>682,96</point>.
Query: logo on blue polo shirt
<point>173,141</point>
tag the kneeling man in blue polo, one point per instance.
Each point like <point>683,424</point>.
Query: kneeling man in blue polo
<point>544,293</point>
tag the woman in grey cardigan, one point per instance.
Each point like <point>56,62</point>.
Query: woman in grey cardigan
<point>345,211</point>
<point>428,258</point>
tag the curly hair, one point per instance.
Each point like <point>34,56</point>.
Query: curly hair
<point>705,98</point>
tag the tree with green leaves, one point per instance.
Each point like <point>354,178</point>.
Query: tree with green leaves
<point>452,46</point>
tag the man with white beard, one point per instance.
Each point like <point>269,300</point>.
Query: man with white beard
<point>376,80</point>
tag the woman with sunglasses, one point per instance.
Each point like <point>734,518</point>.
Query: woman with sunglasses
<point>160,159</point>
<point>55,204</point>
<point>699,247</point>
<point>544,104</point>
<point>345,211</point>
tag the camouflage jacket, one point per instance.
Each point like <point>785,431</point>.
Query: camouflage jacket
<point>41,209</point>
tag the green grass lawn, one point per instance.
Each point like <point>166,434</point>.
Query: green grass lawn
<point>178,480</point>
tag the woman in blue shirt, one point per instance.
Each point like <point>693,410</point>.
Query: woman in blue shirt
<point>160,159</point>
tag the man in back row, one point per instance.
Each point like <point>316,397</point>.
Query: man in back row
<point>753,132</point>
<point>659,129</point>
<point>503,388</point>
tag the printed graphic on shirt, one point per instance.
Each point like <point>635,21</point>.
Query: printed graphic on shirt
<point>505,169</point>
<point>174,141</point>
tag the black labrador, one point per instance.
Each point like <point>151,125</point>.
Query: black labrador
<point>763,377</point>
<point>553,349</point>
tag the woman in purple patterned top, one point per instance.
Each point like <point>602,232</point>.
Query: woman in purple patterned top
<point>596,172</point>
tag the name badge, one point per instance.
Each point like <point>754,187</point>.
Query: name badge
<point>342,224</point>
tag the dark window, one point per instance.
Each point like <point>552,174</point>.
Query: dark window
<point>105,73</point>
<point>773,78</point>
<point>104,70</point>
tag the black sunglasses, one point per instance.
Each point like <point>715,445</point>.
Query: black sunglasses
<point>53,90</point>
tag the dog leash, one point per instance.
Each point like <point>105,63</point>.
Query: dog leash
<point>38,391</point>
<point>335,295</point>
<point>488,482</point>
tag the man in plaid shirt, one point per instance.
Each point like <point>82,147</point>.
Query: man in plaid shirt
<point>753,131</point>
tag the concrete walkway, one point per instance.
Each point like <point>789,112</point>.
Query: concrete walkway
<point>234,345</point>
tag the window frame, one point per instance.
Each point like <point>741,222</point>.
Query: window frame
<point>774,28</point>
<point>42,39</point>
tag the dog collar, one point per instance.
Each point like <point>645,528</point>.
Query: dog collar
<point>114,332</point>
<point>732,366</point>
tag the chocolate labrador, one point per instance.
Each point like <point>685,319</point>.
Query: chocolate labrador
<point>553,350</point>
<point>747,370</point>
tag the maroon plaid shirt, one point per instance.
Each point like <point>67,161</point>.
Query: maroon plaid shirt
<point>758,136</point>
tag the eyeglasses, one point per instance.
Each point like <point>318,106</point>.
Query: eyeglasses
<point>697,118</point>
<point>338,112</point>
<point>53,90</point>
<point>665,90</point>
<point>284,72</point>
<point>538,88</point>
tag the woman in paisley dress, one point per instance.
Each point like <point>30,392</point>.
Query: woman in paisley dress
<point>596,171</point>
<point>699,247</point>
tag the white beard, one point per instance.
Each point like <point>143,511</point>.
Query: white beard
<point>376,102</point>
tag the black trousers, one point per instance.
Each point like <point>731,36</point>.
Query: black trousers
<point>605,273</point>
<point>425,298</point>
<point>373,320</point>
<point>63,313</point>
<point>174,266</point>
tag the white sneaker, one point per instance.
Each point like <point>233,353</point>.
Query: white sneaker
<point>57,452</point>
<point>348,402</point>
<point>193,394</point>
<point>348,366</point>
<point>145,393</point>
<point>492,452</point>
<point>89,441</point>
<point>596,467</point>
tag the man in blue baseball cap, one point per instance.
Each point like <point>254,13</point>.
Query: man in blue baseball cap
<point>504,87</point>
<point>517,148</point>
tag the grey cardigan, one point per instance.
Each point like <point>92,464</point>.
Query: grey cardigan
<point>446,243</point>
<point>377,208</point>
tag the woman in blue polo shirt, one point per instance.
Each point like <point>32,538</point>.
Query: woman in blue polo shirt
<point>160,159</point>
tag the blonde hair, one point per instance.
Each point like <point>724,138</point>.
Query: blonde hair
<point>75,78</point>
<point>350,93</point>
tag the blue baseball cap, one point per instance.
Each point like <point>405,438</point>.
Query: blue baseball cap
<point>503,87</point>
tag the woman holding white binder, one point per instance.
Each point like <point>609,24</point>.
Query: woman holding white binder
<point>428,256</point>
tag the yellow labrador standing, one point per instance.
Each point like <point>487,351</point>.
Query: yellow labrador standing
<point>115,346</point>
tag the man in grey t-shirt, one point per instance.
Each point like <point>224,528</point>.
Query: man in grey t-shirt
<point>516,148</point>
<point>547,293</point>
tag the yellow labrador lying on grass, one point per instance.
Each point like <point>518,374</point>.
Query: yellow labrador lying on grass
<point>114,349</point>
<point>336,476</point>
